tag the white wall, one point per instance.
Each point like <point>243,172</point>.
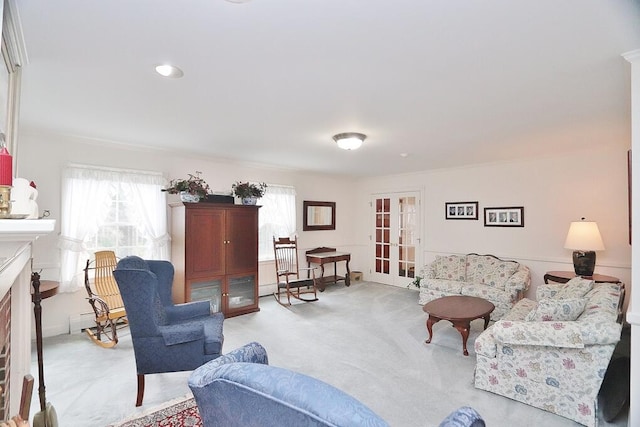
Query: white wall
<point>554,191</point>
<point>42,158</point>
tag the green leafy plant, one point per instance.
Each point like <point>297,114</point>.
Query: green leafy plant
<point>192,185</point>
<point>247,189</point>
<point>416,282</point>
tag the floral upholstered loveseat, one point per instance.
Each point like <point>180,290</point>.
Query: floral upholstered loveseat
<point>553,353</point>
<point>500,281</point>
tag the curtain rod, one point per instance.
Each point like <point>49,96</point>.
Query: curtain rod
<point>110,169</point>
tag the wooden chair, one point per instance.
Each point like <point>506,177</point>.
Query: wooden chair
<point>105,299</point>
<point>288,273</point>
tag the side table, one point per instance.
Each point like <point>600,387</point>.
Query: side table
<point>39,291</point>
<point>565,276</point>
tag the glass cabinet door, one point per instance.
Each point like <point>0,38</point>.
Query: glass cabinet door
<point>242,290</point>
<point>210,289</point>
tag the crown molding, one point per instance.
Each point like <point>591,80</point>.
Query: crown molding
<point>632,56</point>
<point>13,37</point>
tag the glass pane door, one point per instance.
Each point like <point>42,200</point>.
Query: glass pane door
<point>207,289</point>
<point>395,238</point>
<point>383,235</point>
<point>241,291</point>
<point>407,224</point>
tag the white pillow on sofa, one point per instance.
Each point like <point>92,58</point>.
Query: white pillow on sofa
<point>557,310</point>
<point>574,288</point>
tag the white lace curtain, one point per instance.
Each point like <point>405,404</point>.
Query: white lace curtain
<point>85,204</point>
<point>277,218</point>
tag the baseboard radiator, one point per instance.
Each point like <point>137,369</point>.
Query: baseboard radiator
<point>79,322</point>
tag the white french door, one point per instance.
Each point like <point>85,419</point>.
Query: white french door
<point>395,241</point>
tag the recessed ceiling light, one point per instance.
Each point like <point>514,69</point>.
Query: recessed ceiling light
<point>404,154</point>
<point>171,71</point>
<point>238,1</point>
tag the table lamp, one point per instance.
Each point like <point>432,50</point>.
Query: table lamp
<point>584,238</point>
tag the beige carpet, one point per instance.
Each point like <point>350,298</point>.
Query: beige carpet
<point>367,340</point>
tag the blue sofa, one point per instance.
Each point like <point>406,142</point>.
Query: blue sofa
<point>240,389</point>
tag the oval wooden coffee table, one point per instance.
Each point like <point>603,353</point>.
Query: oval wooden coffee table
<point>459,310</point>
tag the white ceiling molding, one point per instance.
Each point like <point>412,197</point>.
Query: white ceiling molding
<point>632,56</point>
<point>12,37</point>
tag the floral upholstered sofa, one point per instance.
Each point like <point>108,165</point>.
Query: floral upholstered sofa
<point>553,353</point>
<point>500,281</point>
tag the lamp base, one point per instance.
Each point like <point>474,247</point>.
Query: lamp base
<point>584,262</point>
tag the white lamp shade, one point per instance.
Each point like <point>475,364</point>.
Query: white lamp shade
<point>584,235</point>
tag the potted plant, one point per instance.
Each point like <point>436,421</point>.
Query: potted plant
<point>191,190</point>
<point>416,282</point>
<point>248,192</point>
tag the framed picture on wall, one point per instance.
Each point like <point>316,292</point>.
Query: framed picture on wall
<point>461,210</point>
<point>504,217</point>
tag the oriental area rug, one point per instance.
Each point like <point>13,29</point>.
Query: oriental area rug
<point>181,412</point>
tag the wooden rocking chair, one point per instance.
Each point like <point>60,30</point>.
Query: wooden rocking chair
<point>106,300</point>
<point>288,273</point>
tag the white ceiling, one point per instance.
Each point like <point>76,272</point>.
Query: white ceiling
<point>449,82</point>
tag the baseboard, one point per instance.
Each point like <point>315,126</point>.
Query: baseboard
<point>264,290</point>
<point>79,322</point>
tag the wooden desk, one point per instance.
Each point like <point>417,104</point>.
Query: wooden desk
<point>325,255</point>
<point>565,276</point>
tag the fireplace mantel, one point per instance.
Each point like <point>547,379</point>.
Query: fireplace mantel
<point>16,238</point>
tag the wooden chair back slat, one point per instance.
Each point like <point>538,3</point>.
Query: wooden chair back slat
<point>286,255</point>
<point>105,299</point>
<point>104,282</point>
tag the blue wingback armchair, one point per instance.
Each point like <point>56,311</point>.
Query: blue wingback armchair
<point>240,389</point>
<point>166,337</point>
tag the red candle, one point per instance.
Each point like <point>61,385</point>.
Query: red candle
<point>6,167</point>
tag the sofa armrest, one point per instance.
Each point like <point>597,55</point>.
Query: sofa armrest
<point>182,333</point>
<point>188,311</point>
<point>599,332</point>
<point>465,416</point>
<point>519,281</point>
<point>551,334</point>
<point>248,353</point>
<point>276,397</point>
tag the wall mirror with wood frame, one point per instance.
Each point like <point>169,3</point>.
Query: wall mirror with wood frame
<point>318,215</point>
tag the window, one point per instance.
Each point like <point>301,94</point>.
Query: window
<point>110,209</point>
<point>121,230</point>
<point>277,218</point>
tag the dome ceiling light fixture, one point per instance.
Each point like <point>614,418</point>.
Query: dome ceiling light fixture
<point>169,71</point>
<point>349,140</point>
